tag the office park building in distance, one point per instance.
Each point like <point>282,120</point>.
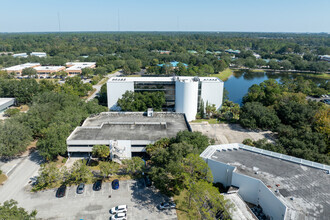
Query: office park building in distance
<point>182,94</point>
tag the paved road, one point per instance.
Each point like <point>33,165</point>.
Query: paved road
<point>98,86</point>
<point>20,177</point>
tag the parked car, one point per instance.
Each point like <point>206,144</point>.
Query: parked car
<point>115,184</point>
<point>118,216</point>
<point>97,185</point>
<point>166,205</point>
<point>81,188</point>
<point>147,180</point>
<point>61,191</point>
<point>118,209</point>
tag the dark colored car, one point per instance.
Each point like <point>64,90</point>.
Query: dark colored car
<point>115,184</point>
<point>61,191</point>
<point>166,205</point>
<point>81,188</point>
<point>147,180</point>
<point>97,185</point>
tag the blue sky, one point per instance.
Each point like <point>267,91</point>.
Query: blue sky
<point>165,15</point>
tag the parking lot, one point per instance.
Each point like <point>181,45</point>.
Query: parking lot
<point>141,202</point>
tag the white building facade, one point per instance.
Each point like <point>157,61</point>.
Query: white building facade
<point>182,94</point>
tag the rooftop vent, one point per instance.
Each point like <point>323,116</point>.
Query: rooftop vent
<point>150,112</point>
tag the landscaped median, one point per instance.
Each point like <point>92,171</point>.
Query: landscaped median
<point>3,177</point>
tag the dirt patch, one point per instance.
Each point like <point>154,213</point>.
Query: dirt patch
<point>23,108</point>
<point>229,133</point>
<point>3,178</point>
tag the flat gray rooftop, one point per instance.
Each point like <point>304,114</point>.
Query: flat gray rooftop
<point>5,100</point>
<point>130,126</point>
<point>310,187</point>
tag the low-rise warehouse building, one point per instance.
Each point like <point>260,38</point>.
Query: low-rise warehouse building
<point>76,67</point>
<point>5,103</point>
<point>19,68</point>
<point>126,133</point>
<point>20,55</point>
<point>49,69</point>
<point>280,186</point>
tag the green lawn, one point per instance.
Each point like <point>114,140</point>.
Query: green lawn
<point>210,121</point>
<point>224,75</point>
<point>133,76</point>
<point>180,208</point>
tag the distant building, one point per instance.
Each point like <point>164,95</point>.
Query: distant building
<point>76,67</point>
<point>182,94</point>
<point>257,56</point>
<point>38,54</point>
<point>279,186</point>
<point>231,51</point>
<point>126,133</point>
<point>325,58</point>
<point>174,64</point>
<point>19,68</point>
<point>5,103</point>
<point>192,51</point>
<point>49,69</point>
<point>20,55</point>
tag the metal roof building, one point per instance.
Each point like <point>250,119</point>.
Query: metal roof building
<point>6,103</point>
<point>284,187</point>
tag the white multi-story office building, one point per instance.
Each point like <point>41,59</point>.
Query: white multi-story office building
<point>182,94</point>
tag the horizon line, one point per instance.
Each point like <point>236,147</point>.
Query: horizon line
<point>165,31</point>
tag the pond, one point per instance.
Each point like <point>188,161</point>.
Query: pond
<point>239,83</point>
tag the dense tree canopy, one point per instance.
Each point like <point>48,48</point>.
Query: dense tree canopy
<point>301,124</point>
<point>10,210</point>
<point>141,101</point>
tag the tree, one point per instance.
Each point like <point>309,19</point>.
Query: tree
<point>255,115</point>
<point>29,72</point>
<point>11,112</point>
<point>80,173</point>
<point>286,64</point>
<point>14,138</point>
<point>61,74</point>
<point>102,151</point>
<point>137,101</point>
<point>204,201</point>
<point>102,71</point>
<point>196,139</point>
<point>103,97</point>
<point>108,168</point>
<point>53,142</point>
<point>273,64</point>
<point>87,72</point>
<point>201,109</point>
<point>250,62</point>
<point>229,111</point>
<point>210,109</point>
<point>10,210</point>
<point>49,176</point>
<point>195,168</point>
<point>134,165</point>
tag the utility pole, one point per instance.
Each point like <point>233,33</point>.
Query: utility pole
<point>59,21</point>
<point>118,21</point>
